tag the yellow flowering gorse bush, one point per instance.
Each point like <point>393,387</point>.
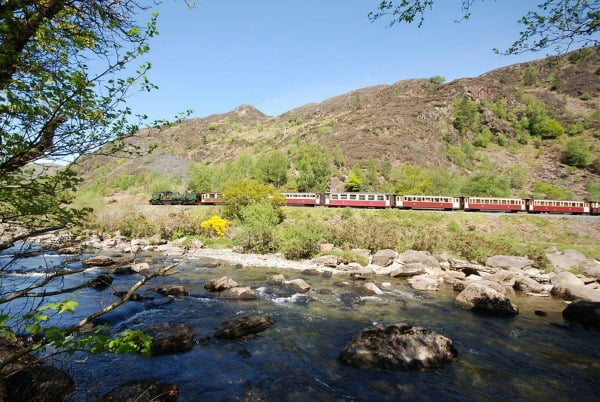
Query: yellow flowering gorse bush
<point>215,224</point>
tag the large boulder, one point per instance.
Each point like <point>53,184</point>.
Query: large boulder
<point>526,284</point>
<point>172,290</point>
<point>278,279</point>
<point>504,277</point>
<point>508,262</point>
<point>592,271</point>
<point>370,289</point>
<point>383,258</point>
<point>567,259</point>
<point>240,292</point>
<point>412,256</point>
<point>298,285</point>
<point>222,283</point>
<point>398,347</point>
<point>570,287</point>
<point>243,326</point>
<point>583,312</point>
<point>170,338</point>
<point>327,260</point>
<point>143,391</point>
<point>411,269</point>
<point>424,282</point>
<point>483,299</point>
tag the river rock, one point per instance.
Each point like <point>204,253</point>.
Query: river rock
<point>424,282</point>
<point>101,282</point>
<point>38,383</point>
<point>583,312</point>
<point>327,260</point>
<point>298,285</point>
<point>239,292</point>
<point>423,257</point>
<point>170,338</point>
<point>494,285</point>
<point>483,299</point>
<point>222,283</point>
<point>99,261</point>
<point>566,259</point>
<point>383,258</point>
<point>140,268</point>
<point>410,269</point>
<point>362,273</point>
<point>362,252</point>
<point>68,250</point>
<point>563,282</point>
<point>243,326</point>
<point>379,270</point>
<point>592,271</point>
<point>526,284</point>
<point>398,347</point>
<point>278,279</point>
<point>508,262</point>
<point>143,391</point>
<point>172,290</point>
<point>370,289</point>
<point>504,277</point>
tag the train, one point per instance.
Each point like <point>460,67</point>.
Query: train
<point>381,200</point>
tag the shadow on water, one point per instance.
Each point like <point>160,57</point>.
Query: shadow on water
<point>520,358</point>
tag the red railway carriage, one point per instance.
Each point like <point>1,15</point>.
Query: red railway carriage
<point>494,204</point>
<point>358,200</point>
<point>304,199</point>
<point>427,202</point>
<point>557,206</point>
<point>595,207</point>
<point>212,198</point>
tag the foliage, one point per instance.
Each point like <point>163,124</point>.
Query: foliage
<point>273,168</point>
<point>593,189</point>
<point>553,23</point>
<point>487,185</point>
<point>577,154</point>
<point>483,139</point>
<point>355,180</point>
<point>548,191</point>
<point>529,76</point>
<point>259,221</point>
<point>517,176</point>
<point>201,178</point>
<point>595,166</point>
<point>413,180</point>
<point>437,79</point>
<point>456,155</point>
<point>216,225</point>
<point>134,225</point>
<point>313,163</point>
<point>465,114</point>
<point>243,193</point>
<point>300,240</point>
<point>575,128</point>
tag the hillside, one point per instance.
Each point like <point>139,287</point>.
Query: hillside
<point>495,122</point>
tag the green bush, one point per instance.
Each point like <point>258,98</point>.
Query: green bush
<point>466,115</point>
<point>575,128</point>
<point>259,221</point>
<point>483,139</point>
<point>487,185</point>
<point>547,191</point>
<point>502,140</point>
<point>548,128</point>
<point>577,154</point>
<point>300,240</point>
<point>585,96</point>
<point>134,225</point>
<point>244,193</point>
<point>437,79</point>
<point>595,166</point>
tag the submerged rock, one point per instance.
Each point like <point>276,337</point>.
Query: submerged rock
<point>424,282</point>
<point>483,299</point>
<point>222,283</point>
<point>143,391</point>
<point>370,289</point>
<point>101,282</point>
<point>243,326</point>
<point>398,347</point>
<point>298,285</point>
<point>278,279</point>
<point>172,290</point>
<point>170,338</point>
<point>583,312</point>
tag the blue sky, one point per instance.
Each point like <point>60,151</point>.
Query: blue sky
<point>278,55</point>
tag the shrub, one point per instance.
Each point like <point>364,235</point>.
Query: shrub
<point>502,140</point>
<point>547,191</point>
<point>216,225</point>
<point>273,168</point>
<point>134,225</point>
<point>577,154</point>
<point>300,240</point>
<point>243,193</point>
<point>487,185</point>
<point>575,128</point>
<point>523,137</point>
<point>437,79</point>
<point>529,76</point>
<point>466,114</point>
<point>456,155</point>
<point>595,166</point>
<point>585,96</point>
<point>259,221</point>
<point>483,139</point>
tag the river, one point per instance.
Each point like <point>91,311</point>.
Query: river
<point>528,357</point>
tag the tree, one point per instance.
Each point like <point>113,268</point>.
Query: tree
<point>313,163</point>
<point>273,168</point>
<point>355,180</point>
<point>64,80</point>
<point>577,154</point>
<point>240,194</point>
<point>558,24</point>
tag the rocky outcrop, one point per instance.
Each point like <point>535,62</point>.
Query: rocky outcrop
<point>398,347</point>
<point>172,290</point>
<point>383,258</point>
<point>222,283</point>
<point>143,391</point>
<point>483,299</point>
<point>583,312</point>
<point>240,292</point>
<point>243,326</point>
<point>170,338</point>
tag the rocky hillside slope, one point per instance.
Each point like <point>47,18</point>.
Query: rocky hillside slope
<point>415,122</point>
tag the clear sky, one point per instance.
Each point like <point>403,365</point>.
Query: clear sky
<point>282,54</point>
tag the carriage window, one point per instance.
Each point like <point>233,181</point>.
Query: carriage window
<point>380,198</point>
<point>352,197</point>
<point>370,197</point>
<point>361,197</point>
<point>334,196</point>
<point>343,196</point>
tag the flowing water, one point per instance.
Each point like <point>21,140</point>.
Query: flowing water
<point>528,357</point>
